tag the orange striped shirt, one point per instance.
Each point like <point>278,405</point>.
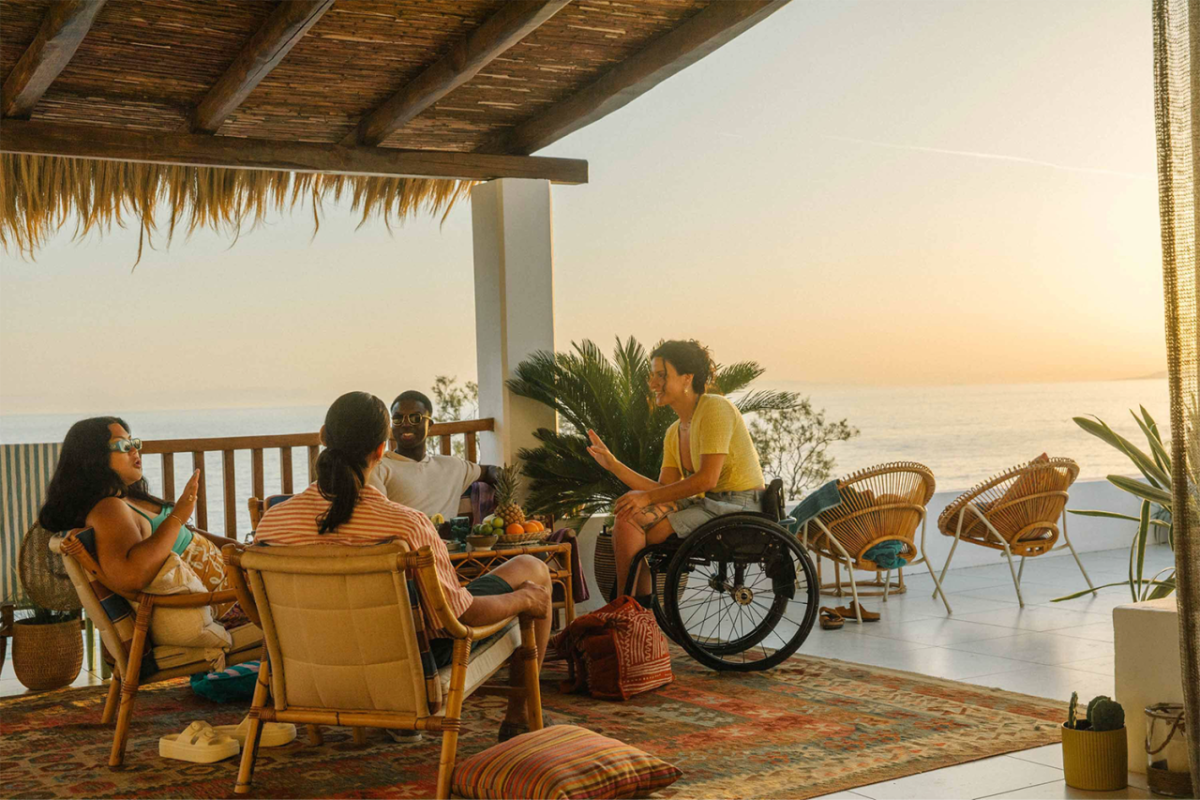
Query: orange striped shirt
<point>375,520</point>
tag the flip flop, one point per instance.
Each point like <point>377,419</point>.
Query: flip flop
<point>199,744</point>
<point>847,612</point>
<point>275,734</point>
<point>831,620</point>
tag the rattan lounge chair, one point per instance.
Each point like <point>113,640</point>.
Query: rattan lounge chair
<point>126,637</point>
<point>343,646</point>
<point>879,504</point>
<point>1016,511</point>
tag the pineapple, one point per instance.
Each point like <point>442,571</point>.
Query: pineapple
<point>507,485</point>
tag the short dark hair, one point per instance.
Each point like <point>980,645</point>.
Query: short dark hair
<point>689,358</point>
<point>413,394</point>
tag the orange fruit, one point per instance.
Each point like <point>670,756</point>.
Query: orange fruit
<point>540,526</point>
<point>514,529</point>
<point>530,527</point>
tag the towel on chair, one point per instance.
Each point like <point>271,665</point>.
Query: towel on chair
<point>823,499</point>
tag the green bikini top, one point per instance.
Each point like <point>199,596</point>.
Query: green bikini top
<point>185,533</point>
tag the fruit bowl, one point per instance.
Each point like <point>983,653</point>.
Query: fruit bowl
<point>524,538</point>
<point>481,541</point>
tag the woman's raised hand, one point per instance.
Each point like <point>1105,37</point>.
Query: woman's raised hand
<point>600,452</point>
<point>186,503</point>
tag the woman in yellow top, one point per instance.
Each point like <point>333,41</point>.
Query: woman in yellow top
<point>719,462</point>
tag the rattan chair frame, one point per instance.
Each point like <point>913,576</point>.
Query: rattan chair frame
<point>1001,543</point>
<point>825,543</point>
<point>127,675</point>
<point>419,565</point>
<point>1012,540</point>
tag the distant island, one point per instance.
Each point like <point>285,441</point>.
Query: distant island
<point>1151,376</point>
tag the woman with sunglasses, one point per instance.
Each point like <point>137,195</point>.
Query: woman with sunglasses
<point>412,476</point>
<point>98,484</point>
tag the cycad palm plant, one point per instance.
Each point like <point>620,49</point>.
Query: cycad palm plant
<point>613,398</point>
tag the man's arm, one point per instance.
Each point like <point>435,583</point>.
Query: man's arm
<point>489,474</point>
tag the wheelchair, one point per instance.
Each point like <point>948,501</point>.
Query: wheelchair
<point>739,593</point>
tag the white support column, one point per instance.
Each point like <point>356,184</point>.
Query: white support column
<point>514,305</point>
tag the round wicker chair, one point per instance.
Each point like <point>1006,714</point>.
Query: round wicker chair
<point>1017,511</point>
<point>879,504</point>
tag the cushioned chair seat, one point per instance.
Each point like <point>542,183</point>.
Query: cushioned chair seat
<point>245,638</point>
<point>486,657</point>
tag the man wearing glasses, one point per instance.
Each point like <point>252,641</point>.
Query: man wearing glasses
<point>412,476</point>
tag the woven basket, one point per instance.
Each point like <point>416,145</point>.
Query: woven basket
<point>47,656</point>
<point>522,538</point>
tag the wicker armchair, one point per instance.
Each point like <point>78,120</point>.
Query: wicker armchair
<point>343,645</point>
<point>880,504</point>
<point>1016,511</point>
<point>124,630</point>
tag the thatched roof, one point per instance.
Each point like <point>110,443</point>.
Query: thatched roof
<point>408,98</point>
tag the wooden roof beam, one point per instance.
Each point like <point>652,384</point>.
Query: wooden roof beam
<point>673,51</point>
<point>515,20</point>
<point>65,25</point>
<point>202,150</point>
<point>286,26</point>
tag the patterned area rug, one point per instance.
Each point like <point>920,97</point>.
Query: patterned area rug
<point>810,727</point>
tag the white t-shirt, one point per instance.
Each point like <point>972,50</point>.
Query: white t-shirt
<point>432,485</point>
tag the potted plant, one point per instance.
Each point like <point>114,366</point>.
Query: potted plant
<point>47,648</point>
<point>1095,757</point>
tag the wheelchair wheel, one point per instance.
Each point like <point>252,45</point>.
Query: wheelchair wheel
<point>751,597</point>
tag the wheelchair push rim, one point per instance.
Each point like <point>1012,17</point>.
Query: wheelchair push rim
<point>751,597</point>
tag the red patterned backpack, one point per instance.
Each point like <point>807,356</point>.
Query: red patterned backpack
<point>616,652</point>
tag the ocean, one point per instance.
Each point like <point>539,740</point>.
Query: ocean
<point>963,433</point>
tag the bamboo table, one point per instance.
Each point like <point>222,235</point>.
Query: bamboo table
<point>473,563</point>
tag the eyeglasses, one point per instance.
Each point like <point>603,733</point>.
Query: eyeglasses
<point>125,445</point>
<point>409,419</point>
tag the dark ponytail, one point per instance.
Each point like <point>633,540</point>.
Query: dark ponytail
<point>355,425</point>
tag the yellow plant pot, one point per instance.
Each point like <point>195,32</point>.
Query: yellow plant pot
<point>1096,761</point>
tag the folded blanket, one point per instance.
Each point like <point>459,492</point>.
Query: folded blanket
<point>886,555</point>
<point>823,499</point>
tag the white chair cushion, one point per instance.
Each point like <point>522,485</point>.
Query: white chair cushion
<point>486,657</point>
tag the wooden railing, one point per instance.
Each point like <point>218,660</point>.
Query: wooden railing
<point>258,445</point>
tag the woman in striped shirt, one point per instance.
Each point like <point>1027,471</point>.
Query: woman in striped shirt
<point>340,508</point>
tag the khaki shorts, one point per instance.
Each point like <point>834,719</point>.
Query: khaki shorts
<point>695,511</point>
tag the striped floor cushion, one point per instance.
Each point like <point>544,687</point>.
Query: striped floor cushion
<point>562,761</point>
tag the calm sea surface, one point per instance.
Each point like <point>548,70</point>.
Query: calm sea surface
<point>963,433</point>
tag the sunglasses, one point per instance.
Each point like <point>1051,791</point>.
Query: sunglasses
<point>409,419</point>
<point>125,445</point>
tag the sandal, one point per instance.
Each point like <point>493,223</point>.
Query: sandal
<point>847,612</point>
<point>831,620</point>
<point>274,734</point>
<point>199,744</point>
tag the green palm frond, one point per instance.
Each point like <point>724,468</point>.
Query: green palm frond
<point>588,390</point>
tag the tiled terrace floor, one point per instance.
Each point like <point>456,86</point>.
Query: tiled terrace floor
<point>1046,649</point>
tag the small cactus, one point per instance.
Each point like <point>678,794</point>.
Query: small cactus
<point>1072,710</point>
<point>1105,714</point>
<point>1092,704</point>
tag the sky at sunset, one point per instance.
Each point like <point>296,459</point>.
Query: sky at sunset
<point>900,192</point>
